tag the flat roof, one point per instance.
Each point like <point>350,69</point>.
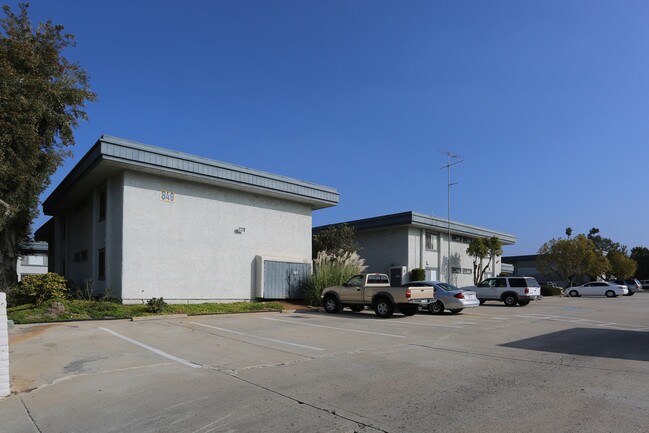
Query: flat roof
<point>111,154</point>
<point>415,219</point>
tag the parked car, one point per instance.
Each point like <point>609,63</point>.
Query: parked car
<point>645,283</point>
<point>447,296</point>
<point>631,283</point>
<point>597,288</point>
<point>510,290</point>
<point>549,284</point>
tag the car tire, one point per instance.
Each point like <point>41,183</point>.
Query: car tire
<point>523,302</point>
<point>482,301</point>
<point>573,293</point>
<point>510,300</point>
<point>357,308</point>
<point>610,294</point>
<point>409,310</point>
<point>436,307</point>
<point>456,310</point>
<point>331,305</point>
<point>383,308</point>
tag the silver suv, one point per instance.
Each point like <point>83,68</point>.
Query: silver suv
<point>510,290</point>
<point>631,283</point>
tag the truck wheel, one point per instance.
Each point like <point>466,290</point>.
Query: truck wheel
<point>523,302</point>
<point>510,300</point>
<point>357,308</point>
<point>331,305</point>
<point>409,310</point>
<point>436,307</point>
<point>456,310</point>
<point>383,308</point>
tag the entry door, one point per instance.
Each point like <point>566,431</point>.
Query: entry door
<point>283,280</point>
<point>431,274</point>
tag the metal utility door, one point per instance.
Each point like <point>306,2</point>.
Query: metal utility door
<point>283,280</point>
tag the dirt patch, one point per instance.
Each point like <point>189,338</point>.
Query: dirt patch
<point>22,334</point>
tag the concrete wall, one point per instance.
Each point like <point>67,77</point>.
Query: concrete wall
<point>192,248</point>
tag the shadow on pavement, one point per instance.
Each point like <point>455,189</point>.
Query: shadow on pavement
<point>604,343</point>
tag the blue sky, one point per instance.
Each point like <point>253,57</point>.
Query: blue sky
<point>546,101</point>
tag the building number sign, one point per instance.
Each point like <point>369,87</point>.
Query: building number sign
<point>168,196</point>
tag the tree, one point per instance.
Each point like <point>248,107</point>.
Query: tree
<point>42,96</point>
<point>568,231</point>
<point>641,256</point>
<point>605,245</point>
<point>481,249</point>
<point>570,258</point>
<point>335,239</point>
<point>622,266</point>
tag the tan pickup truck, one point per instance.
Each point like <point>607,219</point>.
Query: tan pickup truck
<point>374,291</point>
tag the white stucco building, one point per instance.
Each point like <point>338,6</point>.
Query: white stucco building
<point>33,260</point>
<point>397,243</point>
<point>143,222</point>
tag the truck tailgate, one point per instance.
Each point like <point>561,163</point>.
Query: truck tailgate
<point>422,292</point>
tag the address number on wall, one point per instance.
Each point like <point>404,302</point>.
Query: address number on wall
<point>168,196</point>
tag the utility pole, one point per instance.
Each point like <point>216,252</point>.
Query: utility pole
<point>450,155</point>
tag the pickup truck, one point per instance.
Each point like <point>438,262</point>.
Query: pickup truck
<point>374,291</point>
<point>510,290</point>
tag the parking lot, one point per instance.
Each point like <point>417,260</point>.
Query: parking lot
<point>556,365</point>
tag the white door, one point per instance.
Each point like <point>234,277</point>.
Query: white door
<point>431,274</point>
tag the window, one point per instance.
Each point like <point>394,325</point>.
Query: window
<point>355,281</point>
<point>461,239</point>
<point>501,282</point>
<point>517,282</point>
<point>102,205</point>
<point>377,279</point>
<point>101,272</point>
<point>467,271</point>
<point>456,270</point>
<point>431,241</point>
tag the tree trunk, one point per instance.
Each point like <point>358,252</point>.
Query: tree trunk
<point>8,261</point>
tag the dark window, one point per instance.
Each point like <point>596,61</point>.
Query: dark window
<point>517,282</point>
<point>102,205</point>
<point>501,282</point>
<point>101,273</point>
<point>487,283</point>
<point>456,270</point>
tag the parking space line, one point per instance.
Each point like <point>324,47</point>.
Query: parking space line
<point>428,324</point>
<point>336,328</point>
<point>257,336</point>
<point>152,349</point>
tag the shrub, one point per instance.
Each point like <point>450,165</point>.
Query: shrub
<point>155,305</point>
<point>331,270</point>
<point>37,289</point>
<point>417,274</point>
<point>551,291</point>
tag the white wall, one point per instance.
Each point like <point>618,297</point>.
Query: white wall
<point>5,388</point>
<point>189,249</point>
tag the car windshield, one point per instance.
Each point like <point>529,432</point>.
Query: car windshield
<point>447,287</point>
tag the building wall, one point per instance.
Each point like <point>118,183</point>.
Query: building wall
<point>395,246</point>
<point>383,248</point>
<point>33,262</point>
<point>192,248</point>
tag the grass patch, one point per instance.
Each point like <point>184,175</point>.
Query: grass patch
<point>93,310</point>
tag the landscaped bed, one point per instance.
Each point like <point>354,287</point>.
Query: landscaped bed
<point>89,310</point>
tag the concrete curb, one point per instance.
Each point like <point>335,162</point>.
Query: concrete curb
<point>166,316</point>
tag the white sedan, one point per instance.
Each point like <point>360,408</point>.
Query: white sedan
<point>597,288</point>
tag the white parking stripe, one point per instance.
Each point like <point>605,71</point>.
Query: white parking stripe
<point>333,327</point>
<point>153,349</point>
<point>428,324</point>
<point>256,336</point>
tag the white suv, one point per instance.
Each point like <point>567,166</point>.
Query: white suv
<point>510,290</point>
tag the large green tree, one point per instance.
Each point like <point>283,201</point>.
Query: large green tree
<point>605,245</point>
<point>622,266</point>
<point>42,97</point>
<point>571,258</point>
<point>641,256</point>
<point>483,250</point>
<point>335,239</point>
